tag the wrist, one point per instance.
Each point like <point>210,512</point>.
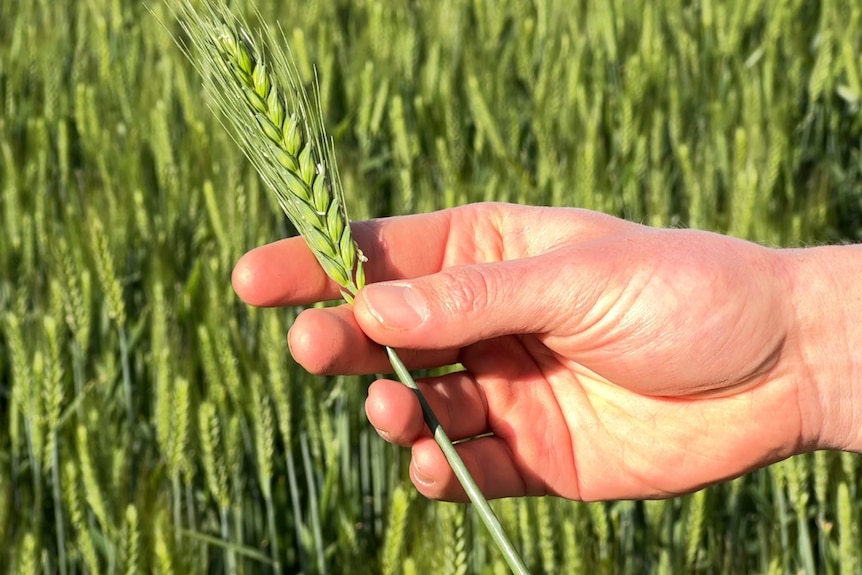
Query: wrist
<point>826,296</point>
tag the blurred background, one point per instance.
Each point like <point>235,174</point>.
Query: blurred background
<point>151,422</point>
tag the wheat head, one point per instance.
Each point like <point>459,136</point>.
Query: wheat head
<point>271,116</point>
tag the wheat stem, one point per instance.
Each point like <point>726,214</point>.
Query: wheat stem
<point>314,513</point>
<point>486,514</point>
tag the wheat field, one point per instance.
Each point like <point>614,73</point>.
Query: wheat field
<point>151,422</point>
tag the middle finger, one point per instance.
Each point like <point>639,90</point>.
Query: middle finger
<point>328,341</point>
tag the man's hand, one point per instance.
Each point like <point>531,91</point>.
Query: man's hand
<point>601,359</point>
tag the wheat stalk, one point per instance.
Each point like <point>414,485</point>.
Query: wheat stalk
<point>271,117</point>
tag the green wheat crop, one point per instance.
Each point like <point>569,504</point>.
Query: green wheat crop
<point>124,204</point>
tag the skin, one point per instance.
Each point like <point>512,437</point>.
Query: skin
<point>601,359</point>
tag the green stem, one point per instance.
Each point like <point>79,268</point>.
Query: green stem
<point>316,531</point>
<point>175,490</point>
<point>293,487</point>
<point>58,502</point>
<point>486,514</point>
<point>127,377</point>
<point>229,551</point>
<point>273,534</point>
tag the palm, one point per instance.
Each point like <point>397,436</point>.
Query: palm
<point>574,434</point>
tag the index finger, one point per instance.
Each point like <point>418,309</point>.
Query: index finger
<point>403,247</point>
<point>287,273</point>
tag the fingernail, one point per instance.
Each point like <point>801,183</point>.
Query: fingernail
<point>384,434</point>
<point>396,306</point>
<point>421,478</point>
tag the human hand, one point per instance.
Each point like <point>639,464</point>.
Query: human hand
<point>602,359</point>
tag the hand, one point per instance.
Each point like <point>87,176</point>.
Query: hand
<point>601,359</point>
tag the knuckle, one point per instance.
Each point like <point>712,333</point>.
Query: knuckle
<point>464,290</point>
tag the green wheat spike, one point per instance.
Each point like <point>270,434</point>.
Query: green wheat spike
<point>214,212</point>
<point>393,545</point>
<point>234,452</point>
<point>695,526</point>
<point>106,271</point>
<point>22,383</point>
<point>211,368</point>
<point>131,541</point>
<point>93,492</point>
<point>821,75</point>
<point>460,563</point>
<point>11,197</point>
<point>546,535</point>
<point>850,463</point>
<point>212,454</point>
<point>527,532</point>
<point>179,436</point>
<point>80,529</point>
<point>848,532</point>
<point>601,527</point>
<point>228,363</point>
<point>52,388</point>
<point>28,555</point>
<point>821,477</point>
<point>264,439</point>
<point>277,375</point>
<point>163,559</point>
<point>75,294</point>
<point>571,541</point>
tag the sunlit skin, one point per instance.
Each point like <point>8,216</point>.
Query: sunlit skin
<point>602,359</point>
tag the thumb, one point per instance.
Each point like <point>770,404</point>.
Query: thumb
<point>465,304</point>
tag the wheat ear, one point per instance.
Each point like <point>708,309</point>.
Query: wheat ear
<point>270,115</point>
